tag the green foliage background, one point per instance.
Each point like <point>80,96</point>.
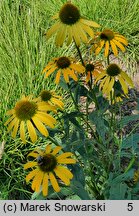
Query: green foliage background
<point>24,51</point>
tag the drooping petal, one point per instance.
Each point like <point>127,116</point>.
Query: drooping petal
<point>114,48</point>
<point>14,132</point>
<point>123,84</point>
<point>56,150</point>
<point>50,71</point>
<point>36,183</point>
<point>9,120</point>
<point>22,131</point>
<point>57,79</point>
<point>111,83</point>
<point>88,30</point>
<point>119,45</point>
<point>32,132</point>
<point>90,23</point>
<point>40,126</point>
<point>75,34</point>
<point>53,29</point>
<point>66,171</point>
<point>106,52</point>
<point>127,78</point>
<point>31,175</point>
<point>30,164</point>
<point>45,185</point>
<point>64,155</point>
<point>121,39</point>
<point>54,182</point>
<point>99,48</point>
<point>12,123</point>
<point>43,118</point>
<point>62,176</point>
<point>65,74</point>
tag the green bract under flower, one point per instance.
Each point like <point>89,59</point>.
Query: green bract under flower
<point>113,70</point>
<point>69,14</point>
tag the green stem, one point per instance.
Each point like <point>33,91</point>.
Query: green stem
<point>108,60</point>
<point>79,53</point>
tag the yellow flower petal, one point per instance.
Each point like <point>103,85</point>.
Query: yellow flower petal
<point>45,185</point>
<point>66,171</point>
<point>56,150</point>
<point>123,84</point>
<point>100,76</point>
<point>48,149</point>
<point>65,155</point>
<point>43,118</point>
<point>127,78</point>
<point>119,45</point>
<point>57,79</point>
<point>14,132</point>
<point>32,132</point>
<point>90,23</point>
<point>88,30</point>
<point>61,34</point>
<point>105,86</point>
<point>30,164</point>
<point>33,154</point>
<point>121,39</point>
<point>82,33</point>
<point>111,83</point>
<point>114,48</point>
<point>77,67</point>
<point>9,120</point>
<point>22,131</point>
<point>40,126</point>
<point>66,161</point>
<point>36,183</point>
<point>53,29</point>
<point>62,176</point>
<point>54,182</point>
<point>12,123</point>
<point>31,175</point>
<point>106,49</point>
<point>69,30</point>
<point>50,71</point>
<point>99,48</point>
<point>75,34</point>
<point>10,112</point>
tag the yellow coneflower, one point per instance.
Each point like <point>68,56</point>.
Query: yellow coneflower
<point>48,165</point>
<point>136,176</point>
<point>51,98</point>
<point>112,74</point>
<point>93,69</point>
<point>70,24</point>
<point>109,39</point>
<point>30,114</point>
<point>63,66</point>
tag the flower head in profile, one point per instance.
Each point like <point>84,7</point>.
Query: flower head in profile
<point>112,74</point>
<point>47,165</point>
<point>70,25</point>
<point>93,69</point>
<point>136,177</point>
<point>63,66</point>
<point>30,115</point>
<point>50,97</point>
<point>111,41</point>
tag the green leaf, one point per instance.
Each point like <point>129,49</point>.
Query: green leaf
<point>79,190</point>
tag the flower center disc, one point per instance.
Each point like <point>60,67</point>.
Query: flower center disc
<point>63,62</point>
<point>69,14</point>
<point>47,162</point>
<point>25,110</point>
<point>107,35</point>
<point>45,95</point>
<point>113,70</point>
<point>89,67</point>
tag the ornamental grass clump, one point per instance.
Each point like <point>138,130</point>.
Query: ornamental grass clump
<point>77,126</point>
